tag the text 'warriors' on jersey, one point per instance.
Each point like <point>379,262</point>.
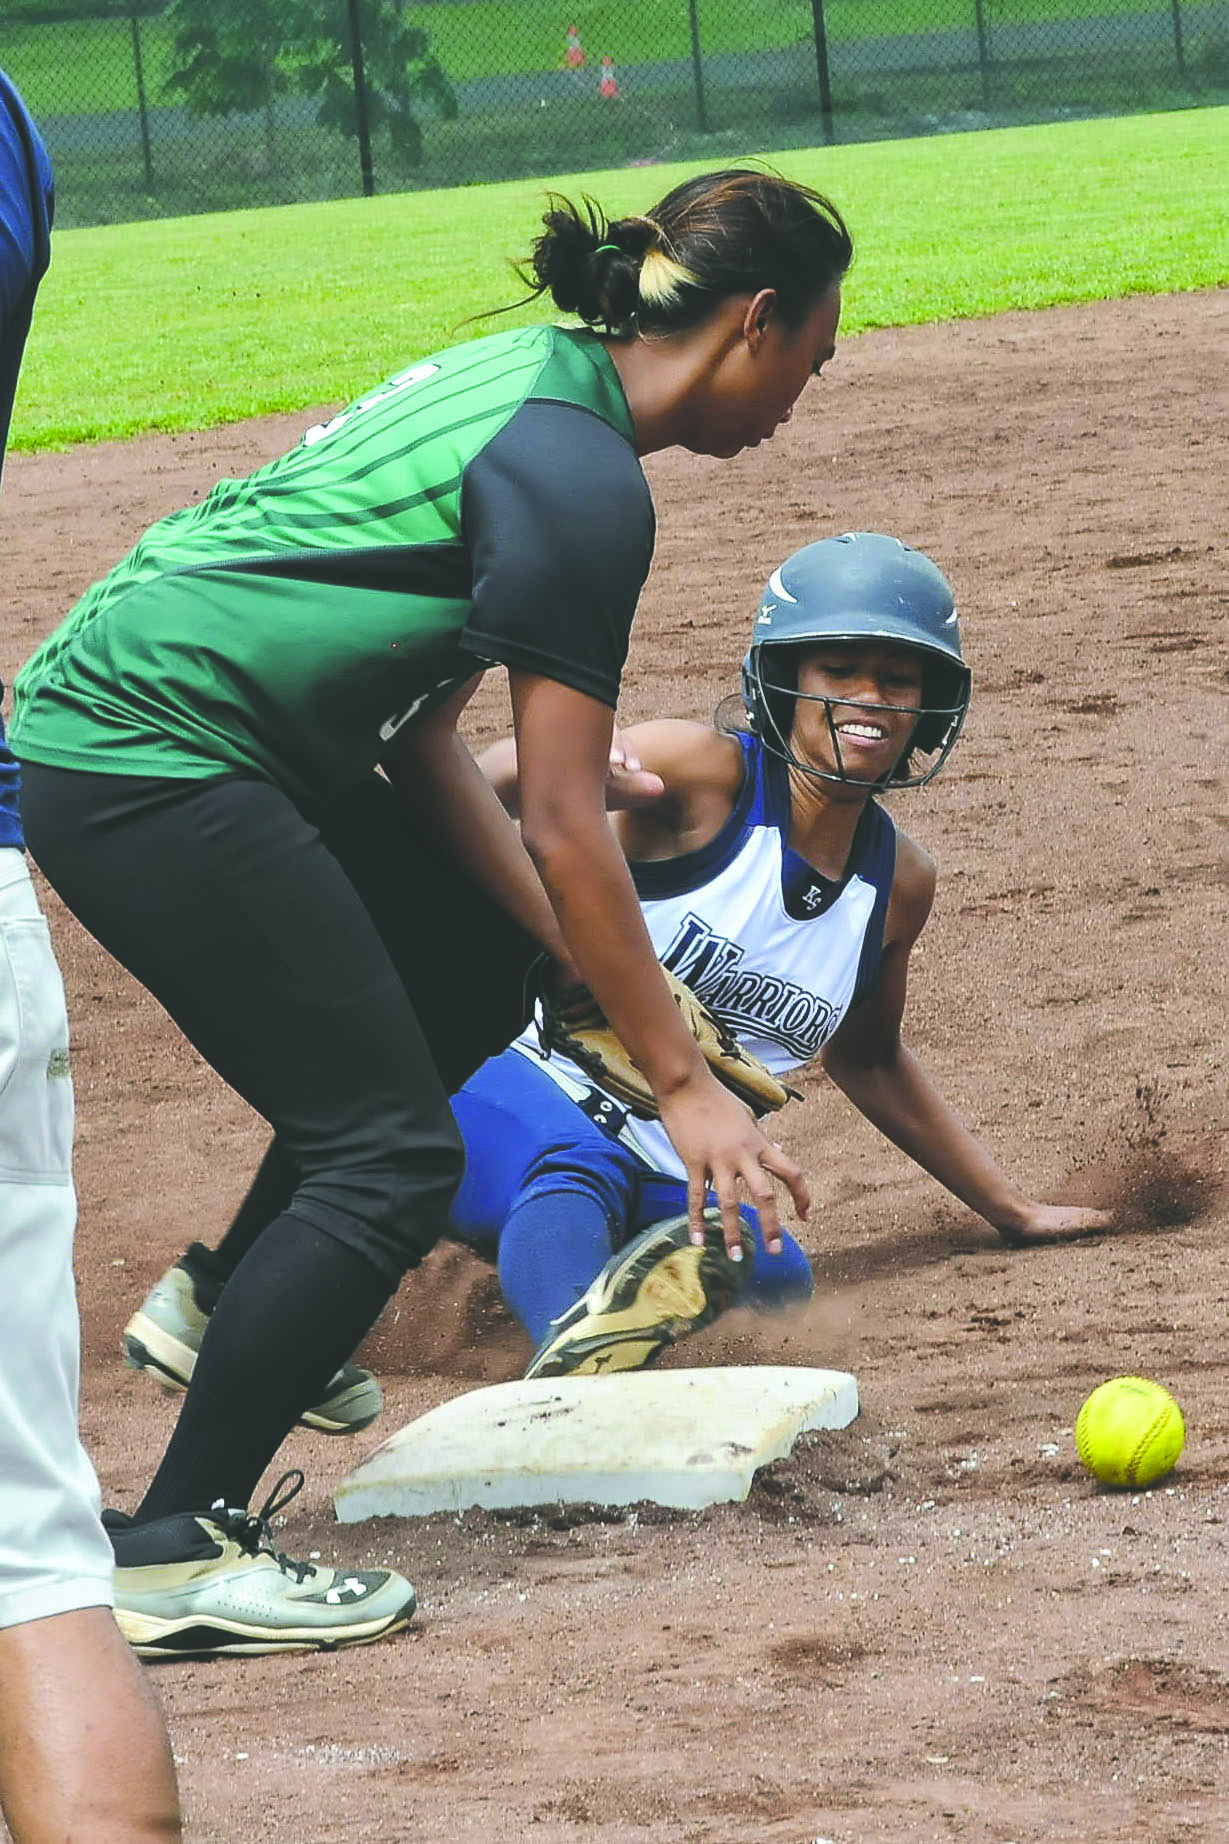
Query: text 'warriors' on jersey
<point>778,952</point>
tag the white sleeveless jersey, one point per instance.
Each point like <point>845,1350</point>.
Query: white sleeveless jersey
<point>778,952</point>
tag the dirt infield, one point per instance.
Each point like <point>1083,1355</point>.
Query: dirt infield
<point>931,1627</point>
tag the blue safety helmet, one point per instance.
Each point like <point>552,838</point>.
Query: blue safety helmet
<point>858,587</point>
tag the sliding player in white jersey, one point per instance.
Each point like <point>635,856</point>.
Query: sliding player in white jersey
<point>776,886</point>
<point>774,883</point>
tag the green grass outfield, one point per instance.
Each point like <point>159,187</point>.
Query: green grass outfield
<point>85,66</point>
<point>189,322</point>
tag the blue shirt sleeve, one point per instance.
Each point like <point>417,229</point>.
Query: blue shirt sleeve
<point>27,204</point>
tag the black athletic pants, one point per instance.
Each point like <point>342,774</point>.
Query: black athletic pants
<point>335,966</point>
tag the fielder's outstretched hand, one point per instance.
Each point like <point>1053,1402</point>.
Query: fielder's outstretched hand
<point>716,1137</point>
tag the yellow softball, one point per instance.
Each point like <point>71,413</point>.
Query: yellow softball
<point>1129,1432</point>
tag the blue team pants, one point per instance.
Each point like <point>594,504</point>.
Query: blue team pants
<point>550,1196</point>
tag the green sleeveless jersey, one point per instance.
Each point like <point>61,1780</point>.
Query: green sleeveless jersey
<point>484,506</point>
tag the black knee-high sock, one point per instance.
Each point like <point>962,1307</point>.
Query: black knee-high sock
<point>294,1310</point>
<point>271,1190</point>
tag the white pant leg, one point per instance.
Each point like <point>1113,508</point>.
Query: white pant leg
<point>54,1554</point>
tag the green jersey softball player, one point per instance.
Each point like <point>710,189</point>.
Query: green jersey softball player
<point>244,776</point>
<point>292,623</point>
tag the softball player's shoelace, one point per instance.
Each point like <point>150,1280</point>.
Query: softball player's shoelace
<point>253,1530</point>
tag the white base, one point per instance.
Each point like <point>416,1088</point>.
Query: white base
<point>684,1438</point>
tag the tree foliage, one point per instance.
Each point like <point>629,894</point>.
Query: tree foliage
<point>236,56</point>
<point>400,72</point>
<point>227,54</point>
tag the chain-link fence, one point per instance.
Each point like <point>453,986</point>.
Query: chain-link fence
<point>202,105</point>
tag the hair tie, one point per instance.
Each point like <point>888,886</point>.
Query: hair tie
<point>608,246</point>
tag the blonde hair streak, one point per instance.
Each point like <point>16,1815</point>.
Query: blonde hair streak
<point>662,279</point>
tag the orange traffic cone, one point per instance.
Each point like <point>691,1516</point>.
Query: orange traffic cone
<point>574,56</point>
<point>607,86</point>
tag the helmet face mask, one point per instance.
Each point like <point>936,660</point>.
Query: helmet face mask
<point>774,693</point>
<point>861,589</point>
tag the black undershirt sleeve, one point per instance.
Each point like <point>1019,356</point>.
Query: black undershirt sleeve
<point>559,527</point>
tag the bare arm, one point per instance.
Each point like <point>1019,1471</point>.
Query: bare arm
<point>671,783</point>
<point>563,746</point>
<point>885,1081</point>
<point>628,783</point>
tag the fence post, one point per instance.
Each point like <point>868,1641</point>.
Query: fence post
<point>360,100</point>
<point>1179,48</point>
<point>139,68</point>
<point>697,67</point>
<point>983,49</point>
<point>821,64</point>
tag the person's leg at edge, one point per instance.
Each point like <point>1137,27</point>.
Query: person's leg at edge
<point>84,1753</point>
<point>83,1750</point>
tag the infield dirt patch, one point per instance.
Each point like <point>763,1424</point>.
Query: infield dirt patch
<point>931,1626</point>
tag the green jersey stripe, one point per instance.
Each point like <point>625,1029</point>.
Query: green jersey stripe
<point>368,514</point>
<point>394,457</point>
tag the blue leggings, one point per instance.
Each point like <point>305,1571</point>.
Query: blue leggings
<point>551,1197</point>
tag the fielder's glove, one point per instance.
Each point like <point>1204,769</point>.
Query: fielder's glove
<point>574,1024</point>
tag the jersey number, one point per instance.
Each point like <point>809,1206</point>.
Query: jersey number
<point>404,381</point>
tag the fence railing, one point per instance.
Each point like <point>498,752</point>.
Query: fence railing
<point>151,109</point>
